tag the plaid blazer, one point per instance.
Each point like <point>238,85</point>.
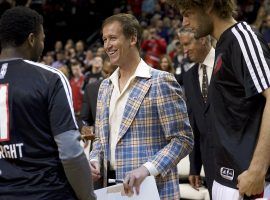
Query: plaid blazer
<point>155,127</point>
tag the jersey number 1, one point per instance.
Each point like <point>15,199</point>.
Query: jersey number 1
<point>4,113</point>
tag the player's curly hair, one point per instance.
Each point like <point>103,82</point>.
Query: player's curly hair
<point>16,24</point>
<point>223,8</point>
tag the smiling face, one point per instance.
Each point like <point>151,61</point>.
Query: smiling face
<point>199,21</point>
<point>116,45</point>
<point>191,46</point>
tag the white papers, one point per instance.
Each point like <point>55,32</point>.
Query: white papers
<point>148,190</point>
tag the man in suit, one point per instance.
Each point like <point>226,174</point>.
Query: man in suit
<point>142,126</point>
<point>196,81</point>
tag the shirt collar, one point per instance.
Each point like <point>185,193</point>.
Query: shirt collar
<point>142,70</point>
<point>210,58</point>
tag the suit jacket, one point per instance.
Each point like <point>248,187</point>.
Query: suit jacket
<point>88,111</point>
<point>155,128</point>
<point>199,115</point>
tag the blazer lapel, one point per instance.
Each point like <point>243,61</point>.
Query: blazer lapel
<point>136,96</point>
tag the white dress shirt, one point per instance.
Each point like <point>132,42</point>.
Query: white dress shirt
<point>209,62</point>
<point>117,106</point>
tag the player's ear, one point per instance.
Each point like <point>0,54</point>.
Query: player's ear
<point>210,6</point>
<point>31,39</point>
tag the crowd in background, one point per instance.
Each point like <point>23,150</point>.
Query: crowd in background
<point>81,59</point>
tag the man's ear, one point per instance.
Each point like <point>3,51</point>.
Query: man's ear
<point>133,40</point>
<point>31,39</point>
<point>203,40</point>
<point>210,7</point>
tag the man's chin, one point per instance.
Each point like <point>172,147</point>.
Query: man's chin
<point>113,62</point>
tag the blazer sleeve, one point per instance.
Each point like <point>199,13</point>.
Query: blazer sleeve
<point>174,120</point>
<point>195,156</point>
<point>97,148</point>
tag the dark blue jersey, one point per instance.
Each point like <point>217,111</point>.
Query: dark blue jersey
<point>240,75</point>
<point>35,106</point>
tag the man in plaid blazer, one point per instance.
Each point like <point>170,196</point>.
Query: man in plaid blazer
<point>142,126</point>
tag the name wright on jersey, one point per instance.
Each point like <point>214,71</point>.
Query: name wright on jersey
<point>11,151</point>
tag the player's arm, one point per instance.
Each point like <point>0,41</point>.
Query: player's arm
<point>64,129</point>
<point>254,177</point>
<point>75,164</point>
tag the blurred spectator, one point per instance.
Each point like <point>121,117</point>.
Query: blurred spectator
<point>76,83</point>
<point>166,64</point>
<point>58,46</point>
<point>173,46</point>
<point>248,9</point>
<point>64,70</point>
<point>154,47</point>
<point>101,52</point>
<point>181,62</point>
<point>95,73</point>
<point>88,61</point>
<point>136,6</point>
<point>148,6</point>
<point>60,60</point>
<point>69,44</point>
<point>79,47</point>
<point>48,59</point>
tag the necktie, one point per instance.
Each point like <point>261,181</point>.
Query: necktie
<point>204,83</point>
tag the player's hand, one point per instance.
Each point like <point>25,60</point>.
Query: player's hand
<point>134,179</point>
<point>251,183</point>
<point>87,133</point>
<point>95,170</point>
<point>195,181</point>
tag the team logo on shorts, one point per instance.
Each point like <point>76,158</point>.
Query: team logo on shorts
<point>227,173</point>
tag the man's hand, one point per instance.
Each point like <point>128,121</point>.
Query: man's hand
<point>195,181</point>
<point>87,133</point>
<point>134,179</point>
<point>95,170</point>
<point>251,183</point>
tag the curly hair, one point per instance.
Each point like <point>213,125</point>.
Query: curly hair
<point>223,8</point>
<point>16,24</point>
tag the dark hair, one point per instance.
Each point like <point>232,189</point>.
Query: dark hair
<point>223,8</point>
<point>130,25</point>
<point>16,24</point>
